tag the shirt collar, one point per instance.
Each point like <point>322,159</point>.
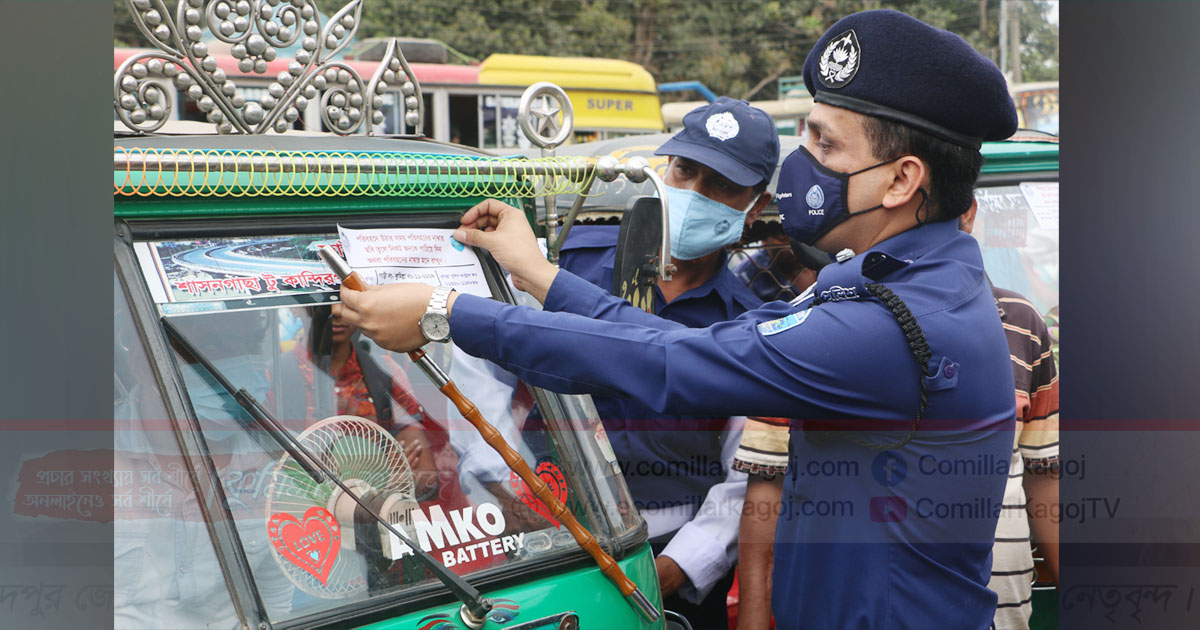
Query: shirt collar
<point>724,284</point>
<point>846,280</point>
<point>915,243</point>
<point>710,285</point>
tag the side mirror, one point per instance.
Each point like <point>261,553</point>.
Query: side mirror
<point>638,246</point>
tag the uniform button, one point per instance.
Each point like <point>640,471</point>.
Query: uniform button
<point>949,371</point>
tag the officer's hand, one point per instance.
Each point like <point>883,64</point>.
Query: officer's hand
<point>504,231</point>
<point>389,314</point>
<point>670,577</point>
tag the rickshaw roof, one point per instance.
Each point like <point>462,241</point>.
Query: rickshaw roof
<point>188,176</point>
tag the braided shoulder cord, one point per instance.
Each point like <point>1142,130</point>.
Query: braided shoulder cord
<point>920,351</point>
<point>916,342</point>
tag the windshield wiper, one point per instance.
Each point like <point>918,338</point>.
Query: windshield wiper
<point>475,607</point>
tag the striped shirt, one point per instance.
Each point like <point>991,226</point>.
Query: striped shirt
<point>1035,447</point>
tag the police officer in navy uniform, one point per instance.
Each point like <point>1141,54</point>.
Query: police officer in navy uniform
<point>720,165</point>
<point>894,364</point>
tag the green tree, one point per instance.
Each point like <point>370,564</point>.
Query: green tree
<point>1039,49</point>
<point>736,47</point>
<point>124,31</point>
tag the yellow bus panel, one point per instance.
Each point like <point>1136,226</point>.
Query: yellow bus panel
<point>609,94</point>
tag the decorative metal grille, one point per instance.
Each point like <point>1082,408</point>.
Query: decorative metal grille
<point>256,30</point>
<point>186,173</point>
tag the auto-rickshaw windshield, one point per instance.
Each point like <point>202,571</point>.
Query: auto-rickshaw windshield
<point>367,415</point>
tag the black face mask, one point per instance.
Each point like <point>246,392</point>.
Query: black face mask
<point>812,198</point>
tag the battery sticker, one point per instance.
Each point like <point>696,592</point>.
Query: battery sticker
<point>311,543</point>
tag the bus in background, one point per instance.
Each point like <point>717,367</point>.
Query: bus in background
<point>1037,105</point>
<point>450,91</point>
<point>472,105</point>
<point>788,113</point>
<point>610,97</point>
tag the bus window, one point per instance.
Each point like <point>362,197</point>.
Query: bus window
<point>464,119</point>
<point>510,135</point>
<point>487,120</point>
<point>500,130</point>
<point>427,114</point>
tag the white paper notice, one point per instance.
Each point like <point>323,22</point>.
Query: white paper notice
<point>428,256</point>
<point>1043,202</point>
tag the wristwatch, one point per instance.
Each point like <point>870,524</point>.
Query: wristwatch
<point>435,323</point>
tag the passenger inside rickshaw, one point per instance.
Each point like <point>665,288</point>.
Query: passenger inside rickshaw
<point>326,374</point>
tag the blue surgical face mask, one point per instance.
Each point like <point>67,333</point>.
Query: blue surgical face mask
<point>812,198</point>
<point>699,225</point>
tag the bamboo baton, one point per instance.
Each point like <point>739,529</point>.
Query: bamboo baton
<point>585,539</point>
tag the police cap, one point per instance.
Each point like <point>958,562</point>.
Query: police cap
<point>889,65</point>
<point>731,137</point>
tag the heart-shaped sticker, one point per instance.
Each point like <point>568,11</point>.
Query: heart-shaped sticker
<point>311,543</point>
<point>549,473</point>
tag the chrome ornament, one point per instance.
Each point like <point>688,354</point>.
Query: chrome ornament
<point>256,30</point>
<point>538,115</point>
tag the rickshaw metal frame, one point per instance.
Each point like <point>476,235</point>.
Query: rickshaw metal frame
<point>236,569</point>
<point>347,104</point>
<point>235,566</point>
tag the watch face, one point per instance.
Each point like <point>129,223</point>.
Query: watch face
<point>435,327</point>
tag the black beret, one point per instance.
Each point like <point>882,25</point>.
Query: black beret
<point>890,65</point>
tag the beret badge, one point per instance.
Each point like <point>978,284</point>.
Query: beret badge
<point>839,62</point>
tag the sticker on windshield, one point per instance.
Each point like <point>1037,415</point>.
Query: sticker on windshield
<point>311,543</point>
<point>428,256</point>
<point>606,449</point>
<point>777,326</point>
<point>472,537</point>
<point>549,473</point>
<point>1042,198</point>
<point>240,268</point>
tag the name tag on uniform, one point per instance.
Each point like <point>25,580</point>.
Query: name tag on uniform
<point>777,326</point>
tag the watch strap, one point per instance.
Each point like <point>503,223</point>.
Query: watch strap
<point>437,301</point>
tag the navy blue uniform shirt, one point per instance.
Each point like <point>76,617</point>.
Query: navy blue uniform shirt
<point>898,538</point>
<point>667,459</point>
